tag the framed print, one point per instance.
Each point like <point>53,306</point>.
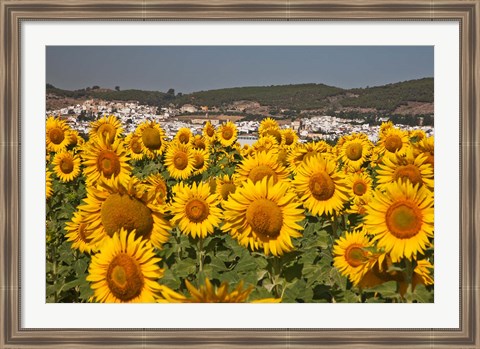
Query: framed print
<point>322,268</point>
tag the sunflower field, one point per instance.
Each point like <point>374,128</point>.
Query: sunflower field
<point>135,217</point>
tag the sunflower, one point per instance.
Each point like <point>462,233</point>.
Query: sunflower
<point>393,142</point>
<point>184,135</point>
<point>157,185</point>
<point>227,134</point>
<point>199,142</point>
<point>381,271</point>
<point>352,255</point>
<point>112,206</point>
<point>359,185</point>
<point>125,271</point>
<point>66,166</point>
<point>416,170</point>
<point>48,184</point>
<point>426,147</point>
<point>417,135</point>
<point>264,215</point>
<point>152,138</point>
<point>261,165</point>
<point>108,128</point>
<point>401,219</point>
<point>134,146</point>
<point>423,272</point>
<point>320,185</point>
<point>266,124</point>
<point>275,133</point>
<point>386,126</point>
<point>422,275</point>
<point>301,152</point>
<point>225,186</point>
<point>200,161</point>
<point>78,234</point>
<point>57,135</point>
<point>209,131</point>
<point>266,144</point>
<point>179,160</point>
<point>76,141</point>
<point>102,160</point>
<point>290,136</point>
<point>209,293</point>
<point>355,150</point>
<point>196,211</point>
<point>247,151</point>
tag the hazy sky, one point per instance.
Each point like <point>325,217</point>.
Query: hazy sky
<point>195,68</point>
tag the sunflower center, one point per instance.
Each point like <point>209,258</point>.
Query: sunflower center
<point>180,160</point>
<point>403,219</point>
<point>107,131</point>
<point>227,133</point>
<point>276,134</point>
<point>355,255</point>
<point>66,165</point>
<point>197,210</point>
<point>354,151</point>
<point>227,188</point>
<point>198,161</point>
<point>125,277</point>
<point>393,143</point>
<point>73,139</point>
<point>151,138</point>
<point>108,163</point>
<point>199,144</point>
<point>289,139</point>
<point>56,135</point>
<point>265,218</point>
<point>259,172</point>
<point>135,146</point>
<point>210,131</point>
<point>410,172</point>
<point>184,138</point>
<point>359,188</point>
<point>321,186</point>
<point>122,211</point>
<point>161,190</point>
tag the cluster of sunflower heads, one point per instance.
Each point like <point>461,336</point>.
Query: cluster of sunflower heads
<point>200,218</point>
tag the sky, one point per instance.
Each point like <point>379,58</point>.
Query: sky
<point>199,68</point>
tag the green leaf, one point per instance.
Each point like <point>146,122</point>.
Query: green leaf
<point>386,290</point>
<point>184,268</point>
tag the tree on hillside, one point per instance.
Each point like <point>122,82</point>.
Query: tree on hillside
<point>170,93</point>
<point>117,88</point>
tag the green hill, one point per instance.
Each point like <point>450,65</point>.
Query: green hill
<point>297,97</point>
<point>391,96</point>
<point>302,96</point>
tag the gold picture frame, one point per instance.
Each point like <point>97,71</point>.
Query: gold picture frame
<point>13,12</point>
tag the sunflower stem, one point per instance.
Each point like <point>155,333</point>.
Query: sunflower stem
<point>200,254</point>
<point>275,268</point>
<point>178,248</point>
<point>334,226</point>
<point>409,273</point>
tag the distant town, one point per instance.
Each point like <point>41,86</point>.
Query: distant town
<point>171,119</point>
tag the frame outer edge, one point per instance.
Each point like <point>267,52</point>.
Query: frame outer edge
<point>12,337</point>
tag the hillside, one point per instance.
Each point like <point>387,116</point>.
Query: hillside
<point>413,97</point>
